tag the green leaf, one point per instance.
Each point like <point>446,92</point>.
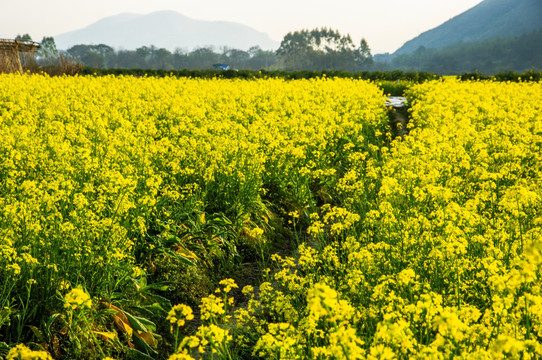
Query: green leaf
<point>141,344</point>
<point>181,258</point>
<point>156,306</point>
<point>51,320</point>
<point>164,302</point>
<point>149,324</point>
<point>135,354</point>
<point>135,323</point>
<point>4,348</point>
<point>161,286</point>
<point>37,333</point>
<point>151,310</point>
<point>107,312</point>
<point>171,239</point>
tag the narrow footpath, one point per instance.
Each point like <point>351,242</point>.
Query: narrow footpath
<point>398,114</point>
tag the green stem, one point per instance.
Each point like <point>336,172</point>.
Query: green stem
<point>176,339</point>
<point>94,338</point>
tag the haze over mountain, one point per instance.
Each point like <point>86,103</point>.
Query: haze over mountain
<point>165,29</point>
<point>489,19</point>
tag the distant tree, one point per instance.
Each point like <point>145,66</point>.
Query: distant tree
<point>127,59</point>
<point>295,51</point>
<point>47,54</point>
<point>94,59</point>
<point>261,59</point>
<point>143,54</point>
<point>203,58</point>
<point>363,57</point>
<point>237,58</point>
<point>321,49</point>
<point>92,55</point>
<point>77,51</point>
<point>163,59</point>
<point>180,59</point>
<point>24,37</point>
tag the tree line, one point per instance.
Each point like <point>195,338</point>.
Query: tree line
<point>320,49</point>
<point>313,50</point>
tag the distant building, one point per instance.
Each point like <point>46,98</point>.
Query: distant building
<point>14,54</point>
<point>221,67</point>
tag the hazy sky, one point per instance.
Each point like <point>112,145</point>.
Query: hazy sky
<point>385,24</point>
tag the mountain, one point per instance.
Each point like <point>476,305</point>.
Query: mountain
<point>489,19</point>
<point>165,29</point>
<point>491,56</point>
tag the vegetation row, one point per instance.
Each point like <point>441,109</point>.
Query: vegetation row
<point>395,75</point>
<point>262,74</point>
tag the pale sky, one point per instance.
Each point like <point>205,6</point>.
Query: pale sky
<point>385,24</point>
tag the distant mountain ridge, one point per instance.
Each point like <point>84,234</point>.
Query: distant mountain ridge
<point>489,19</point>
<point>165,29</point>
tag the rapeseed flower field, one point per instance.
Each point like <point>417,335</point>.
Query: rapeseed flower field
<point>125,202</point>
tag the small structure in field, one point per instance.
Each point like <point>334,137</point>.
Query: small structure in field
<point>397,108</point>
<point>396,101</point>
<point>221,67</point>
<point>14,53</point>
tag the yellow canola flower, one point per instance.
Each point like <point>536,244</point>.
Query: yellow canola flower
<point>21,352</point>
<point>212,307</point>
<point>77,298</point>
<point>323,302</point>
<point>179,314</point>
<point>228,285</point>
<point>182,356</point>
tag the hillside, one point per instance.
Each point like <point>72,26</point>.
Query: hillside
<point>165,29</point>
<point>516,53</point>
<point>489,19</point>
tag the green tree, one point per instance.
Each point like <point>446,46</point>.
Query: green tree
<point>236,58</point>
<point>144,54</point>
<point>24,37</point>
<point>126,59</point>
<point>47,54</point>
<point>261,59</point>
<point>180,59</point>
<point>97,56</point>
<point>163,59</point>
<point>321,49</point>
<point>363,57</point>
<point>202,58</point>
<point>295,51</point>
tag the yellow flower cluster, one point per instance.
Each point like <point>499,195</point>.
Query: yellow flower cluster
<point>179,314</point>
<point>227,286</point>
<point>21,352</point>
<point>95,170</point>
<point>445,261</point>
<point>77,298</point>
<point>438,251</point>
<point>425,246</point>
